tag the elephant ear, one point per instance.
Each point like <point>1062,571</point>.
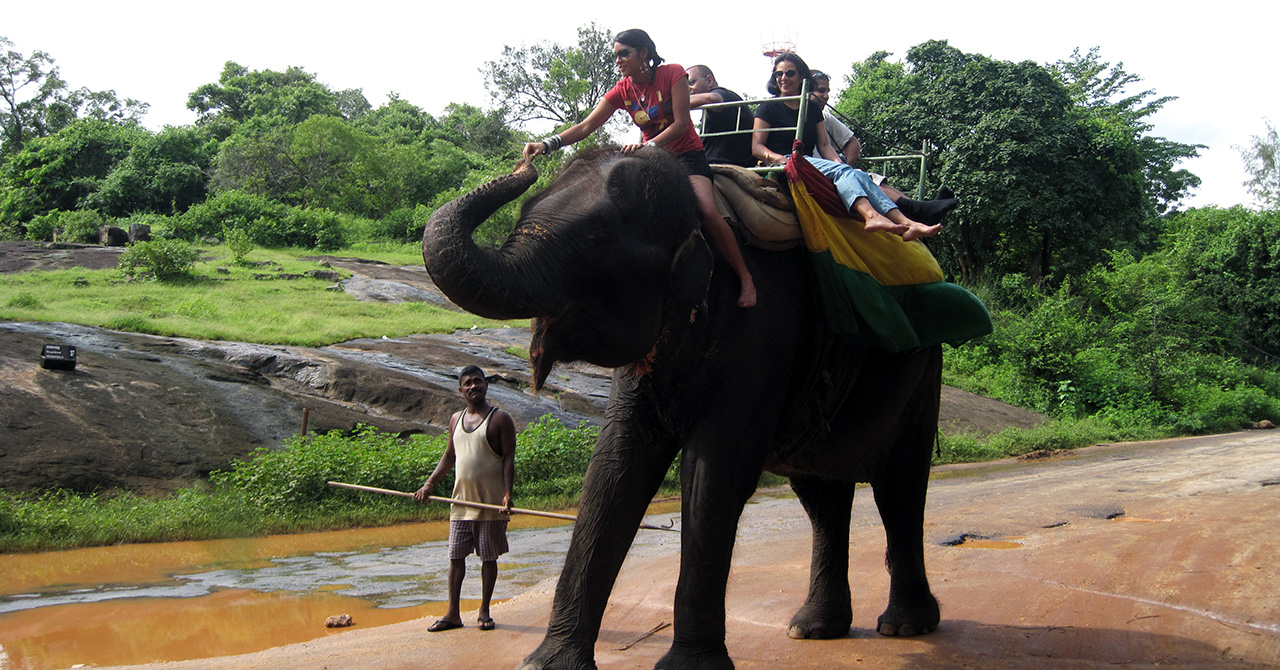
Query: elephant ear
<point>689,278</point>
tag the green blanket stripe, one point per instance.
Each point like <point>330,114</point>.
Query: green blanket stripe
<point>897,318</point>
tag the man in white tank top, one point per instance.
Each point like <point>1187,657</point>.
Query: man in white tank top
<point>482,444</point>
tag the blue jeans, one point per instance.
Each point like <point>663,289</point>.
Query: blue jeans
<point>852,183</point>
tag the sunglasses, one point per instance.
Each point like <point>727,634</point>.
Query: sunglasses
<point>779,74</point>
<point>622,54</point>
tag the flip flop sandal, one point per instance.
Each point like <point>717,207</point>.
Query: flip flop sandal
<point>486,623</point>
<point>443,625</point>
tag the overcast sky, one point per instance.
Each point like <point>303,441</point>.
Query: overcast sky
<point>1217,58</point>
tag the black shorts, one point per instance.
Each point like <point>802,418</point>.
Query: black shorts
<point>695,162</point>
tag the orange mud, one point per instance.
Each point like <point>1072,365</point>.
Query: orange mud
<point>227,622</point>
<point>145,630</point>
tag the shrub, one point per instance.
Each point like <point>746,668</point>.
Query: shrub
<point>82,225</point>
<point>401,225</point>
<point>551,457</point>
<point>24,300</point>
<point>226,210</point>
<point>40,228</point>
<point>237,240</point>
<point>1231,257</point>
<point>294,476</point>
<point>165,259</point>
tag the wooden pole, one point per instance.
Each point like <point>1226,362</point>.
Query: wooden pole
<point>466,503</point>
<point>306,413</point>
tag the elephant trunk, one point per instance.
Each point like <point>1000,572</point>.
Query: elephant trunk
<point>494,284</point>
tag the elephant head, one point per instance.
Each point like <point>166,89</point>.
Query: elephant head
<point>600,259</point>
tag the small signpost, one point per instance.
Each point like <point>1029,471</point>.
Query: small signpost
<point>58,357</point>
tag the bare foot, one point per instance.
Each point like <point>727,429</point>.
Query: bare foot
<point>880,223</point>
<point>747,296</point>
<point>917,230</point>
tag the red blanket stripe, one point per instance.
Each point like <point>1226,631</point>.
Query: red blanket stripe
<point>801,171</point>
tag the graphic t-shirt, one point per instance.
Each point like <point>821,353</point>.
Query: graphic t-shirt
<point>651,109</point>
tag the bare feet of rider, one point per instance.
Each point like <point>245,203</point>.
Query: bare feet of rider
<point>879,223</point>
<point>917,230</point>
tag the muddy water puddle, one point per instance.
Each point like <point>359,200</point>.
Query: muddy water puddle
<point>183,600</point>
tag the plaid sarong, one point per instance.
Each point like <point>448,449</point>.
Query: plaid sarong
<point>488,539</point>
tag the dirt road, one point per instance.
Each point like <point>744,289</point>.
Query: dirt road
<point>1134,555</point>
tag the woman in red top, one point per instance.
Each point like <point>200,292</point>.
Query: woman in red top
<point>656,96</point>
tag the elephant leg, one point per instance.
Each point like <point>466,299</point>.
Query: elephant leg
<point>900,489</point>
<point>718,476</point>
<point>912,608</point>
<point>826,612</point>
<point>625,472</point>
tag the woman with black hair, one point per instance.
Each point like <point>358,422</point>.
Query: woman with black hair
<point>860,194</point>
<point>656,96</point>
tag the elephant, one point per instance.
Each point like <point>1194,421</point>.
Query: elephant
<point>610,264</point>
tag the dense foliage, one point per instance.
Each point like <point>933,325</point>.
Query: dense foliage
<point>1183,339</point>
<point>1053,164</point>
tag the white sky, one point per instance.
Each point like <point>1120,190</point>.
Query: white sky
<point>1217,58</point>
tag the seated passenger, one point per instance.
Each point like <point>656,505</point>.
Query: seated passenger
<point>849,150</point>
<point>860,194</point>
<point>726,149</point>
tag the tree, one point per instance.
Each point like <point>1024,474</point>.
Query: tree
<point>1100,89</point>
<point>1047,182</point>
<point>164,173</point>
<point>471,128</point>
<point>330,163</point>
<point>398,120</point>
<point>268,98</point>
<point>37,103</point>
<point>552,82</point>
<point>1262,162</point>
<point>64,170</point>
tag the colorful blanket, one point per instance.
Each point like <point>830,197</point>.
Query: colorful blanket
<point>874,283</point>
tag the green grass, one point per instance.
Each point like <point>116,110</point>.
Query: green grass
<point>283,490</point>
<point>274,491</point>
<point>1049,436</point>
<point>229,306</point>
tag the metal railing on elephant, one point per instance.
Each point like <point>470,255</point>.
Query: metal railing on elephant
<point>747,107</point>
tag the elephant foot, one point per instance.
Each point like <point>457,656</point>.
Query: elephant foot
<point>677,659</point>
<point>818,622</point>
<point>558,656</point>
<point>907,620</point>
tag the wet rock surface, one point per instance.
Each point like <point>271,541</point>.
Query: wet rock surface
<point>154,413</point>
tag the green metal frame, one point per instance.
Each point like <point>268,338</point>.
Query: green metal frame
<point>745,105</point>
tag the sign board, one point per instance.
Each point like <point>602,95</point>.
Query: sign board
<point>58,357</point>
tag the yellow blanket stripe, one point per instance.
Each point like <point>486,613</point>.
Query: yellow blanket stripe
<point>884,256</point>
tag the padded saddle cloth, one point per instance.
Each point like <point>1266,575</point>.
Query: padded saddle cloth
<point>756,204</point>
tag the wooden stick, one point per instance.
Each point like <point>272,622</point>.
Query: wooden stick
<point>467,503</point>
